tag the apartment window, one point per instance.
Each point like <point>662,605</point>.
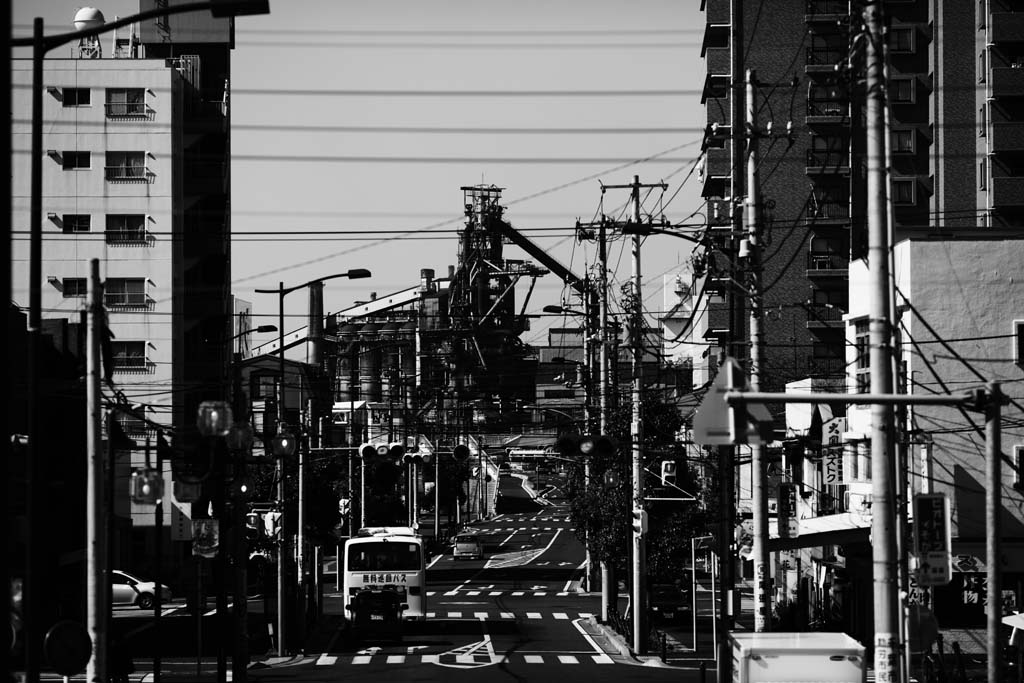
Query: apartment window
<point>125,292</point>
<point>126,227</point>
<point>901,39</point>
<point>901,90</point>
<point>76,222</point>
<point>862,365</point>
<point>128,355</point>
<point>73,160</point>
<point>982,66</point>
<point>983,174</point>
<point>903,141</point>
<point>903,191</point>
<point>126,102</point>
<point>264,387</point>
<point>74,287</point>
<point>75,97</point>
<point>982,121</point>
<point>559,393</point>
<point>126,165</point>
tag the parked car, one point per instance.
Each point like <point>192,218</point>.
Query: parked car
<point>126,589</point>
<point>667,601</point>
<point>469,546</point>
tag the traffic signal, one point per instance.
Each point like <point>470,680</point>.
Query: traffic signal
<point>272,524</point>
<point>574,445</point>
<point>639,521</point>
<point>415,458</point>
<point>461,452</point>
<point>147,486</point>
<point>668,472</point>
<point>396,451</point>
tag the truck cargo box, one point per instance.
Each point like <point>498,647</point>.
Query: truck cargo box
<point>812,657</point>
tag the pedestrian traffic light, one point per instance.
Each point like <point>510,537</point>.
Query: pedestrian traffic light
<point>639,521</point>
<point>272,524</point>
<point>283,444</point>
<point>461,452</point>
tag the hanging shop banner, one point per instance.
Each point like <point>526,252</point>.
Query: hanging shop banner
<point>932,541</point>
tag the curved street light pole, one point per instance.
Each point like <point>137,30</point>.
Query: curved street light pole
<point>40,44</point>
<point>282,540</point>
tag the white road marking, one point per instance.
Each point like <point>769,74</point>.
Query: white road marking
<point>396,659</point>
<point>533,615</point>
<point>361,659</point>
<point>326,660</point>
<point>602,659</point>
<point>568,659</point>
<point>534,659</point>
<point>560,615</point>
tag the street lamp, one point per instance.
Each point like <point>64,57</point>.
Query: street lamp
<point>282,448</point>
<point>40,45</point>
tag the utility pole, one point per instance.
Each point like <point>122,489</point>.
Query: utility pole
<point>993,508</point>
<point>883,517</point>
<point>759,498</point>
<point>96,582</point>
<point>639,597</point>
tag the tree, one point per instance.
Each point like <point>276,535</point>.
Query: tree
<point>601,511</point>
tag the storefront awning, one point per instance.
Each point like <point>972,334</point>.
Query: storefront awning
<point>846,527</point>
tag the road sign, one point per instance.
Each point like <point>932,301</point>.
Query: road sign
<point>932,541</point>
<point>789,523</point>
<point>716,423</point>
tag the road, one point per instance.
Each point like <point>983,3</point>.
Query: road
<point>517,613</point>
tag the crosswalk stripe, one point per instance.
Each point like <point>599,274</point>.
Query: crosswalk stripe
<point>396,659</point>
<point>361,659</point>
<point>560,615</point>
<point>517,594</point>
<point>493,593</point>
<point>473,593</point>
<point>568,659</point>
<point>533,615</point>
<point>508,615</point>
<point>480,615</point>
<point>534,659</point>
<point>455,615</point>
<point>602,659</point>
<point>326,660</point>
<point>430,659</point>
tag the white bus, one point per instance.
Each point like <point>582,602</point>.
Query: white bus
<point>386,558</point>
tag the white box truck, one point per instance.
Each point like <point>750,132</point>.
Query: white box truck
<point>796,658</point>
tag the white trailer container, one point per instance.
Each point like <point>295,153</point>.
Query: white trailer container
<point>796,658</point>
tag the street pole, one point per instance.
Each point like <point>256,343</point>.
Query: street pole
<point>883,518</point>
<point>636,436</point>
<point>759,497</point>
<point>282,538</point>
<point>993,508</point>
<point>96,540</point>
<point>607,577</point>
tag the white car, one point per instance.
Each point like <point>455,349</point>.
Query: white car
<point>126,589</point>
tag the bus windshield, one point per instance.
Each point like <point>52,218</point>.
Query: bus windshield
<point>387,556</point>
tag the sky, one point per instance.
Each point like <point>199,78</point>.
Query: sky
<point>354,126</point>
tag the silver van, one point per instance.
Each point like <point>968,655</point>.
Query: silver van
<point>468,546</point>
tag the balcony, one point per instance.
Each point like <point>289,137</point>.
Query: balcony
<point>1008,82</point>
<point>1007,27</point>
<point>827,161</point>
<point>127,300</point>
<point>716,86</point>
<point>128,110</point>
<point>824,316</point>
<point>827,264</point>
<point>1007,136</point>
<point>716,173</point>
<point>1008,192</point>
<point>827,11</point>
<point>127,237</point>
<point>826,367</point>
<point>824,59</point>
<point>829,210</point>
<point>127,174</point>
<point>828,111</point>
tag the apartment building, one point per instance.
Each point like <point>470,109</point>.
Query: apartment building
<point>954,122</point>
<point>136,176</point>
